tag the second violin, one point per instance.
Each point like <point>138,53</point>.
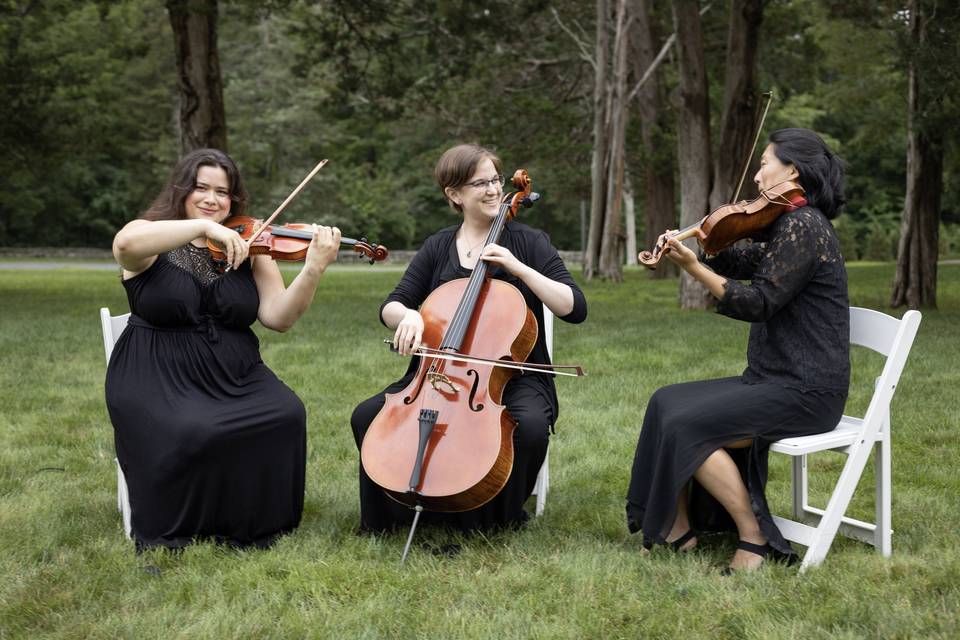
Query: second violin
<point>732,222</point>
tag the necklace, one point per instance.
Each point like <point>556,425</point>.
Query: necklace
<point>477,244</point>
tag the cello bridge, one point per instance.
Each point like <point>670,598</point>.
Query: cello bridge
<point>439,380</point>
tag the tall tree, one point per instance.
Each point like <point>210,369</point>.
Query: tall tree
<point>612,242</point>
<point>739,99</point>
<point>657,154</point>
<point>203,122</point>
<point>693,156</point>
<point>932,29</point>
<point>609,136</point>
<point>598,159</point>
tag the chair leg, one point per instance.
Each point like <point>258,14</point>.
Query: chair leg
<point>123,500</point>
<point>829,524</point>
<point>543,485</point>
<point>884,531</point>
<point>799,486</point>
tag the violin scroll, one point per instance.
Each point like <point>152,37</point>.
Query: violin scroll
<point>375,252</point>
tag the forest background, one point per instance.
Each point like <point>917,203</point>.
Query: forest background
<point>93,118</point>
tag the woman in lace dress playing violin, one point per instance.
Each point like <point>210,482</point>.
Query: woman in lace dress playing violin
<point>211,442</point>
<point>701,461</point>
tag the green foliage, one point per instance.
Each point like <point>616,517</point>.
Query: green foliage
<point>879,245</point>
<point>847,235</point>
<point>575,572</point>
<point>949,241</point>
<point>87,90</point>
<point>382,88</point>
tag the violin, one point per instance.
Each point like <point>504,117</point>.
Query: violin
<point>445,442</point>
<point>732,222</point>
<point>287,242</point>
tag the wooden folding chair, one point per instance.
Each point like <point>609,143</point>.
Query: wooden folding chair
<point>816,528</point>
<point>112,327</point>
<point>543,477</point>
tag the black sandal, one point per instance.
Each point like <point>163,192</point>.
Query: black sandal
<point>682,540</point>
<point>762,550</point>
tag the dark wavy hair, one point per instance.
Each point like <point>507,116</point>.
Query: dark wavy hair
<point>169,204</point>
<point>458,163</point>
<point>821,172</point>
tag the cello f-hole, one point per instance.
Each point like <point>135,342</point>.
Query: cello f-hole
<point>473,390</point>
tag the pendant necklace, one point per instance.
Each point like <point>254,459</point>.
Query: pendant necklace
<point>470,250</point>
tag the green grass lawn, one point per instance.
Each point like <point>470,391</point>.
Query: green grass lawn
<point>68,572</point>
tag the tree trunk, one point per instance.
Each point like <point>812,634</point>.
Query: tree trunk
<point>915,283</point>
<point>658,159</point>
<point>591,256</point>
<point>693,153</point>
<point>630,218</point>
<point>611,246</point>
<point>737,124</point>
<point>202,118</point>
<point>604,255</point>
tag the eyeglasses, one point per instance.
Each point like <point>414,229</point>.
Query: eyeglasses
<point>492,182</point>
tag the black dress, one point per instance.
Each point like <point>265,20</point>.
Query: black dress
<point>795,383</point>
<point>531,399</point>
<point>212,443</point>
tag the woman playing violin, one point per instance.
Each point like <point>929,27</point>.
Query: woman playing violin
<point>211,442</point>
<point>471,179</point>
<point>701,461</point>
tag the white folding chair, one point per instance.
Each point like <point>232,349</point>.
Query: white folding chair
<point>112,327</point>
<point>543,478</point>
<point>816,528</point>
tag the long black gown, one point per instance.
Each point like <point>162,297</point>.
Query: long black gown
<point>531,399</point>
<point>212,443</point>
<point>795,383</point>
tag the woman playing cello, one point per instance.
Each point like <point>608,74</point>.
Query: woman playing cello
<point>471,180</point>
<point>701,461</point>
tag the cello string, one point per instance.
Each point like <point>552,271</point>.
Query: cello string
<point>461,319</point>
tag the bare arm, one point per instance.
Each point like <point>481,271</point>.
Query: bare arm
<point>687,260</point>
<point>556,295</point>
<point>281,306</point>
<point>138,244</point>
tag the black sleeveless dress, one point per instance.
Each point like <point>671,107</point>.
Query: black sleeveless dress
<point>211,442</point>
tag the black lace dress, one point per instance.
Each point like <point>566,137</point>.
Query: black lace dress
<point>795,383</point>
<point>212,443</point>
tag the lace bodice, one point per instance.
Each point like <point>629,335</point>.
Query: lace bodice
<point>796,300</point>
<point>196,261</point>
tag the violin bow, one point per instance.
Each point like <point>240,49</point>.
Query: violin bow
<point>283,205</point>
<point>768,96</point>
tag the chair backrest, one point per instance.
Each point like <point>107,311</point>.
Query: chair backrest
<point>112,327</point>
<point>890,337</point>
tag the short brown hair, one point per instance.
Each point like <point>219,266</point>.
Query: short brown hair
<point>458,164</point>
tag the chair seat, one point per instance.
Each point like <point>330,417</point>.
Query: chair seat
<point>845,434</point>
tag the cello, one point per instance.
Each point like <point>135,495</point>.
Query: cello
<point>444,442</point>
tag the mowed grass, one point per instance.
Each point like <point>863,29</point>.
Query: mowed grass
<point>68,571</point>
